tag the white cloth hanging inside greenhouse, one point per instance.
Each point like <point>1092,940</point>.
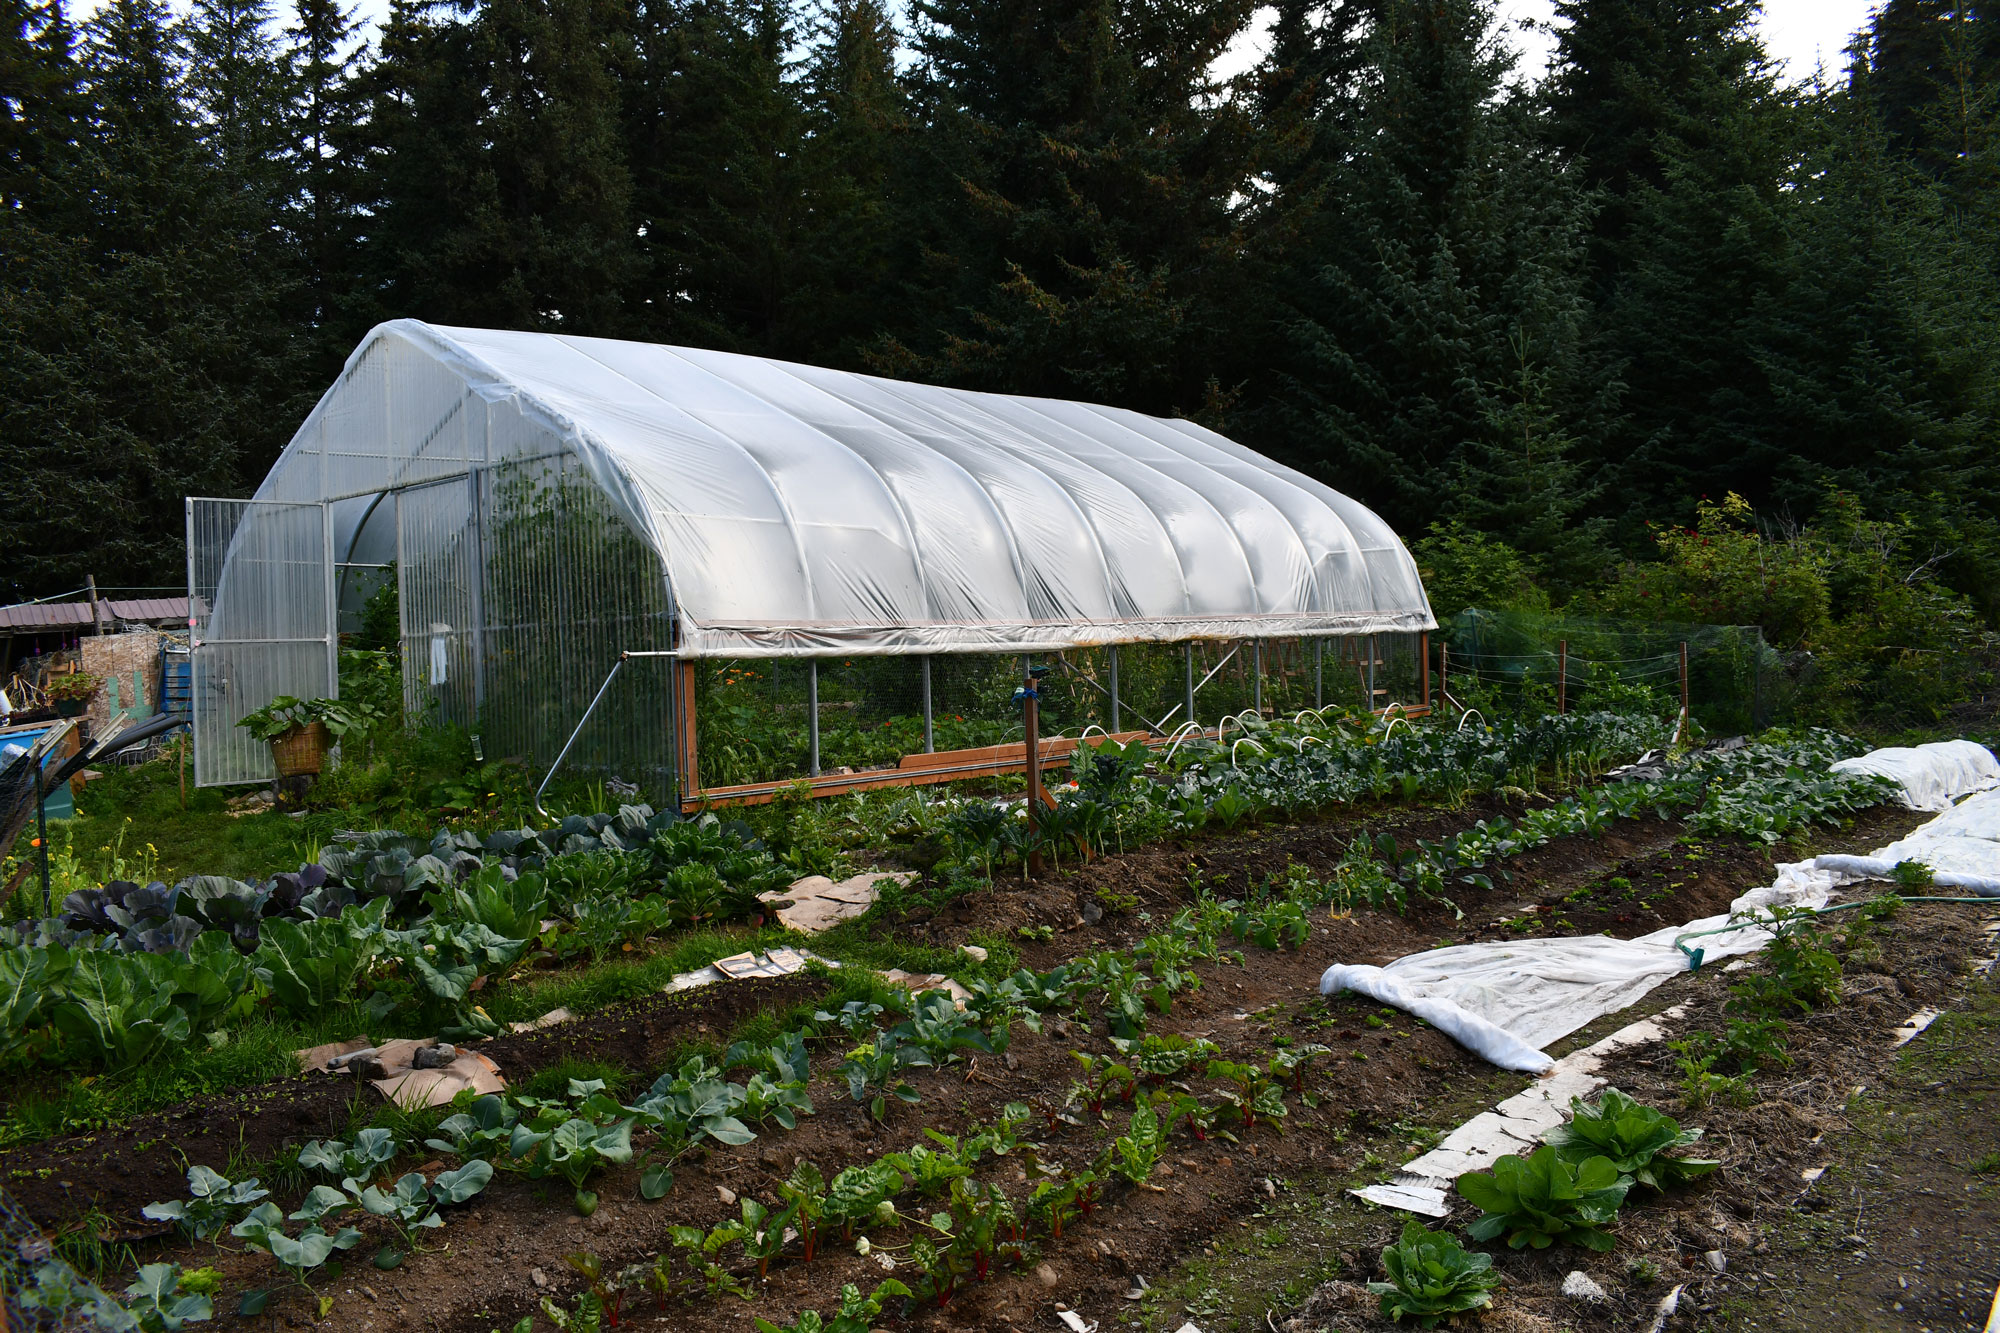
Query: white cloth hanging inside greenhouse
<point>798,510</point>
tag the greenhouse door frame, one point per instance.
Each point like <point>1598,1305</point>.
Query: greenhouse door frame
<point>226,674</point>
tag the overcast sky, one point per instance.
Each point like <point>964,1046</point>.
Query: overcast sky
<point>1802,34</point>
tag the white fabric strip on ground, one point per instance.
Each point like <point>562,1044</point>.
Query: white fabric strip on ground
<point>1505,1001</point>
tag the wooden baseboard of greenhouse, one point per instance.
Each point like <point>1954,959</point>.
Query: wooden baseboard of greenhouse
<point>914,770</point>
<point>917,770</point>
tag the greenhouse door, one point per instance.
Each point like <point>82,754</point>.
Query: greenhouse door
<point>438,564</point>
<point>260,621</point>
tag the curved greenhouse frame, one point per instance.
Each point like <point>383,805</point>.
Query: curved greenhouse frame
<point>547,503</point>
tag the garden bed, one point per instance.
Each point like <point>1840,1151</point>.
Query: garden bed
<point>1387,1080</point>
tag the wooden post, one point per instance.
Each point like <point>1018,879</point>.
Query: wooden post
<point>1444,678</point>
<point>90,583</point>
<point>1032,725</point>
<point>1424,668</point>
<point>1319,673</point>
<point>684,697</point>
<point>1257,683</point>
<point>1562,676</point>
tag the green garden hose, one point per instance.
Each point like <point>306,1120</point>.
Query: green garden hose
<point>1694,956</point>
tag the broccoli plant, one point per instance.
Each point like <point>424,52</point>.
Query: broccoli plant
<point>1432,1277</point>
<point>214,1204</point>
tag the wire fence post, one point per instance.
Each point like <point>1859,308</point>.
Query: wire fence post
<point>1680,731</point>
<point>1444,677</point>
<point>930,736</point>
<point>1115,718</point>
<point>1319,673</point>
<point>1371,673</point>
<point>1189,700</point>
<point>812,717</point>
<point>1562,676</point>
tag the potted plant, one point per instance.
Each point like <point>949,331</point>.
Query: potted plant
<point>300,731</point>
<point>72,694</point>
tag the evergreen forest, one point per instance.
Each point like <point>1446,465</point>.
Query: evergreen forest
<point>1562,332</point>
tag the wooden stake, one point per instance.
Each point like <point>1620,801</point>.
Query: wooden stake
<point>1562,675</point>
<point>1031,720</point>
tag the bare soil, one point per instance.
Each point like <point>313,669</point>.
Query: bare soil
<point>1263,1223</point>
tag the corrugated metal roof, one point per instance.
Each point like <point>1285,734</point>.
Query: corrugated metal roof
<point>150,608</point>
<point>49,616</point>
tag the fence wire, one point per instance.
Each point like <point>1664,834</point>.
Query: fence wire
<point>1736,681</point>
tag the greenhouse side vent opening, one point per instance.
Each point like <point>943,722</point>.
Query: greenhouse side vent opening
<point>1384,680</point>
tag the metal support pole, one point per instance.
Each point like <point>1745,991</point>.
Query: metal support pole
<point>42,836</point>
<point>930,737</point>
<point>1257,678</point>
<point>812,716</point>
<point>1189,701</point>
<point>1115,727</point>
<point>1319,673</point>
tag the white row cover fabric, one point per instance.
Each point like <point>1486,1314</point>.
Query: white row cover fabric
<point>1506,1001</point>
<point>802,511</point>
<point>1931,776</point>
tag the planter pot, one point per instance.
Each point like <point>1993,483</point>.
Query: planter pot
<point>71,707</point>
<point>301,752</point>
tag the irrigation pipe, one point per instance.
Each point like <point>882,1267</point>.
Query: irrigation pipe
<point>1764,923</point>
<point>1181,734</point>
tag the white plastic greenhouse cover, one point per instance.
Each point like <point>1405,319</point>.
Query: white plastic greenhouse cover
<point>801,511</point>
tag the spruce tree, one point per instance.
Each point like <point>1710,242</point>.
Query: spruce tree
<point>854,127</point>
<point>1070,210</point>
<point>323,141</point>
<point>494,178</point>
<point>1670,112</point>
<point>127,327</point>
<point>1441,273</point>
<point>717,132</point>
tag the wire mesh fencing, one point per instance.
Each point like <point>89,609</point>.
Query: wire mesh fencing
<point>1735,681</point>
<point>40,1293</point>
<point>769,721</point>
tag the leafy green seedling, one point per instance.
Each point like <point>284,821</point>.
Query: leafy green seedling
<point>1634,1138</point>
<point>214,1203</point>
<point>1537,1200</point>
<point>1432,1277</point>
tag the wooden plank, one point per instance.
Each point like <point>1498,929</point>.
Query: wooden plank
<point>915,770</point>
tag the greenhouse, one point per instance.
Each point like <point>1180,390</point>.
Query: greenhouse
<point>710,574</point>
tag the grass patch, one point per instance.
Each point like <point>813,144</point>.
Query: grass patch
<point>63,1101</point>
<point>554,1081</point>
